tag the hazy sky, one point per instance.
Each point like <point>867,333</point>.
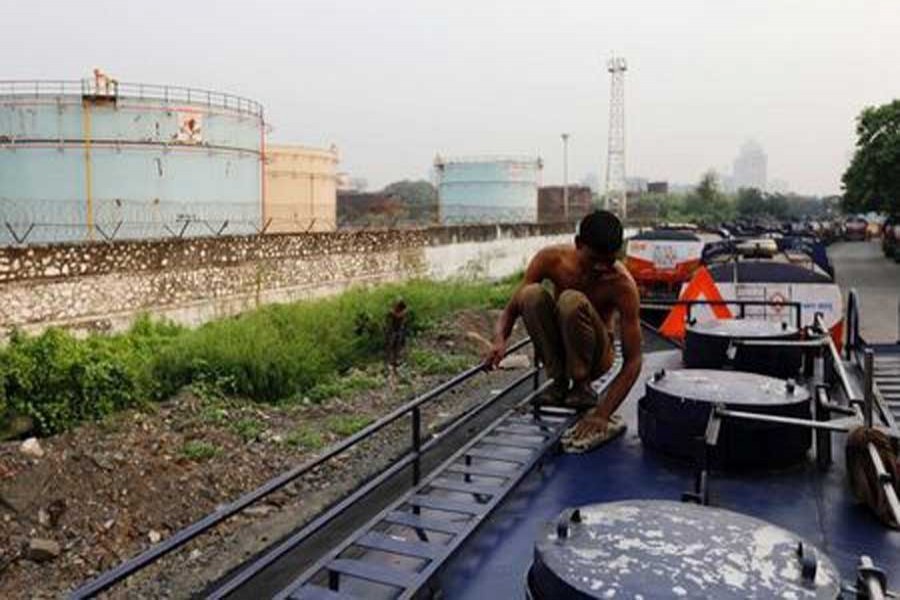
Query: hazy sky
<point>393,82</point>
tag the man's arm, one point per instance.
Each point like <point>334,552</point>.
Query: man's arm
<point>630,320</point>
<point>536,272</point>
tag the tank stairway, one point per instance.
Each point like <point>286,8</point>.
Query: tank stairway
<point>887,377</point>
<point>397,553</point>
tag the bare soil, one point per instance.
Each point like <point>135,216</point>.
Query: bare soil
<point>109,490</point>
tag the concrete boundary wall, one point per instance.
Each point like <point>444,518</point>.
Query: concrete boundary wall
<point>104,286</point>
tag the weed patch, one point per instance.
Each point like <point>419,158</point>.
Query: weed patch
<point>305,437</point>
<point>199,450</point>
<point>346,425</point>
<point>318,349</point>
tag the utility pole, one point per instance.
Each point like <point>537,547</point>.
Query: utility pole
<point>615,165</point>
<point>565,141</point>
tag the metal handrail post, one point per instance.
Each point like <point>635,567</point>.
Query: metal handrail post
<point>869,386</point>
<point>416,444</point>
<point>823,436</point>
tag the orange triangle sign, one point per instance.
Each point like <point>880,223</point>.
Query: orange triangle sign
<point>701,287</point>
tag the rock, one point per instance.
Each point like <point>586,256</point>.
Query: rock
<point>31,447</point>
<point>42,550</point>
<point>515,361</point>
<point>195,554</point>
<point>154,536</point>
<point>43,517</point>
<point>259,511</point>
<point>109,524</point>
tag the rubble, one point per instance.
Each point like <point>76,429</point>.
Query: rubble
<point>32,447</point>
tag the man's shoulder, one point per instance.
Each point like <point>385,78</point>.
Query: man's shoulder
<point>553,255</point>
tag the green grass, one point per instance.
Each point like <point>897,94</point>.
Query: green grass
<point>435,363</point>
<point>305,437</point>
<point>318,349</point>
<point>248,429</point>
<point>199,450</point>
<point>345,425</point>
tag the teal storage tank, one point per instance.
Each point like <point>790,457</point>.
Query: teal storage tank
<point>501,189</point>
<point>128,161</point>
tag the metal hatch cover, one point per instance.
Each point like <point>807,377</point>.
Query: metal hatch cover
<point>734,388</point>
<point>675,410</point>
<point>708,345</point>
<point>744,328</point>
<point>662,549</point>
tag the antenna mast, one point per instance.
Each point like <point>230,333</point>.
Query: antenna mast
<point>615,166</point>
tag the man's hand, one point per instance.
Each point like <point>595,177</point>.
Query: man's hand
<point>592,423</point>
<point>495,355</point>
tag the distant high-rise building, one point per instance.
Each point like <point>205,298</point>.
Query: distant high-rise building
<point>750,167</point>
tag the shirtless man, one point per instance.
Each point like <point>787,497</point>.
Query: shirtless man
<point>572,329</point>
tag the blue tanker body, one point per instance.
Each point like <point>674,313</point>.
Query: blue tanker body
<point>138,162</point>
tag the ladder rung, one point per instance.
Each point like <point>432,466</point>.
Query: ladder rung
<point>426,523</point>
<point>314,592</point>
<point>375,540</point>
<point>497,454</point>
<point>466,488</point>
<point>526,430</point>
<point>372,572</point>
<point>467,508</point>
<point>511,442</point>
<point>545,421</point>
<point>480,471</point>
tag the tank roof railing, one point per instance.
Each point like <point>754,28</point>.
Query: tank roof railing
<point>140,91</point>
<point>488,158</point>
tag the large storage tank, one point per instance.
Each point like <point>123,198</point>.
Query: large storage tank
<point>488,189</point>
<point>85,160</point>
<point>301,189</point>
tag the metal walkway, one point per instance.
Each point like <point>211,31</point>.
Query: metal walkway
<point>398,553</point>
<point>887,379</point>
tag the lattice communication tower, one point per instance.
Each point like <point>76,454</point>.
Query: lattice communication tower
<point>616,188</point>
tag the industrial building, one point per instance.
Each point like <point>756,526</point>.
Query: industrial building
<point>493,189</point>
<point>301,189</point>
<point>554,207</point>
<point>98,160</point>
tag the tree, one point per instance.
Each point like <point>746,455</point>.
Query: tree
<point>420,199</point>
<point>707,203</point>
<point>414,193</point>
<point>872,181</point>
<point>750,203</point>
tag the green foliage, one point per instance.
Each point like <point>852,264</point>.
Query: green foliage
<point>419,199</point>
<point>306,437</point>
<point>249,429</point>
<point>872,181</point>
<point>199,450</point>
<point>313,349</point>
<point>344,425</point>
<point>355,381</point>
<point>283,351</point>
<point>707,204</point>
<point>59,380</point>
<point>434,363</point>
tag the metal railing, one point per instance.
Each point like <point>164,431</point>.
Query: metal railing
<point>413,457</point>
<point>131,91</point>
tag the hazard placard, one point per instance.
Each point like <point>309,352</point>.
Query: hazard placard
<point>701,287</point>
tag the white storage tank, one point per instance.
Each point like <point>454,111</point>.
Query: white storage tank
<point>492,189</point>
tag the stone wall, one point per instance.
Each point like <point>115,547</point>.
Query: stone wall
<point>104,286</point>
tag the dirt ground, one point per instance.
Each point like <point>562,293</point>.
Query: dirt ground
<point>106,491</point>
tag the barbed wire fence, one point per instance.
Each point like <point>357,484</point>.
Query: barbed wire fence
<point>32,222</point>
